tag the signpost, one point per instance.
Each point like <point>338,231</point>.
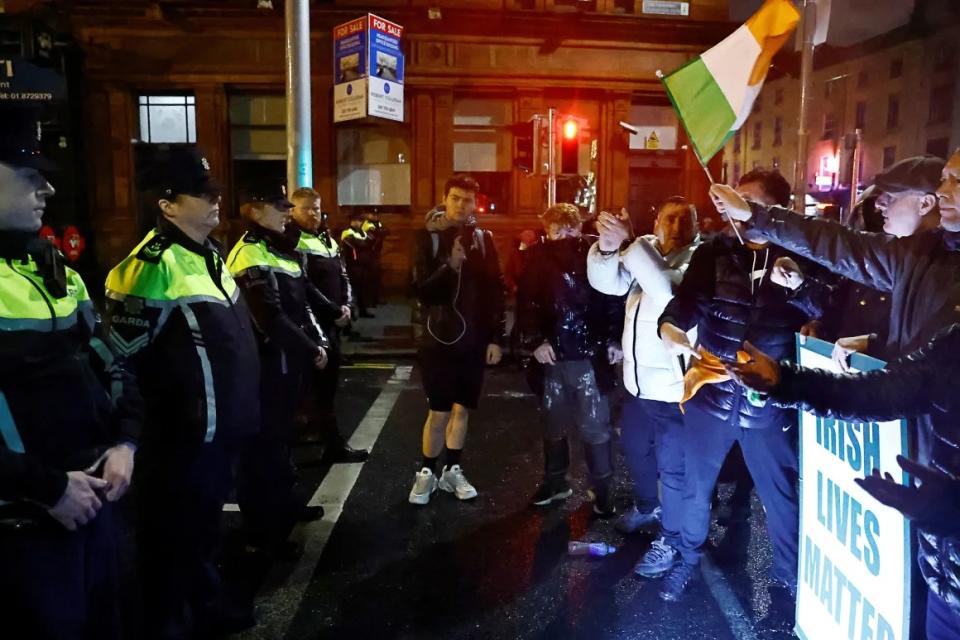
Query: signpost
<point>855,561</point>
<point>369,69</point>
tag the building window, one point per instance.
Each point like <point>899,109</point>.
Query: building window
<point>736,172</point>
<point>889,156</point>
<point>829,125</point>
<point>896,68</point>
<point>258,142</point>
<point>776,162</point>
<point>757,135</point>
<point>483,147</point>
<point>778,95</point>
<point>778,131</point>
<point>169,118</point>
<point>860,120</point>
<point>941,104</point>
<point>863,79</point>
<point>939,147</point>
<point>944,57</point>
<point>893,112</point>
<point>736,142</point>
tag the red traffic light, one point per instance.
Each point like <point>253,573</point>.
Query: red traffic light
<point>571,129</point>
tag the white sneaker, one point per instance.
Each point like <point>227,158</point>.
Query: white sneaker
<point>453,481</point>
<point>424,486</point>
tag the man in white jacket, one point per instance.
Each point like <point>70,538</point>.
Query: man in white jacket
<point>652,425</point>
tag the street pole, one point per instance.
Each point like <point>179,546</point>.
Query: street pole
<point>855,173</point>
<point>809,27</point>
<point>299,150</point>
<point>552,157</point>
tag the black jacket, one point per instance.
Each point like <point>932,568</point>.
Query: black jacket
<point>556,304</point>
<point>460,311</point>
<point>64,395</point>
<point>176,312</point>
<point>921,272</point>
<point>718,296</point>
<point>325,266</point>
<point>923,382</point>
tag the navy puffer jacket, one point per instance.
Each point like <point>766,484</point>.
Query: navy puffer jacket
<point>727,294</point>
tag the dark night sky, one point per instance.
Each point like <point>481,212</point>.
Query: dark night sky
<point>851,20</point>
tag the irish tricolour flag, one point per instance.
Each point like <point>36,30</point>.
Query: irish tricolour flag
<point>714,92</point>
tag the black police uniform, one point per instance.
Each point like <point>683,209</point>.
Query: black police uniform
<point>64,400</point>
<point>270,272</point>
<point>174,309</point>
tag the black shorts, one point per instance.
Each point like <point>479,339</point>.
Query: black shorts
<point>452,377</point>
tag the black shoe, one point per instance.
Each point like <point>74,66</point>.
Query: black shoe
<point>310,513</point>
<point>603,504</point>
<point>677,581</point>
<point>551,491</point>
<point>345,453</point>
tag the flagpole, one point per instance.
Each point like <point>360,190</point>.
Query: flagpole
<point>809,27</point>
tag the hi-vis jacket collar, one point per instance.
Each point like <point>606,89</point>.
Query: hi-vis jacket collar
<point>253,252</point>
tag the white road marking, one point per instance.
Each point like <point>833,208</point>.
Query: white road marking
<point>332,494</point>
<point>737,619</point>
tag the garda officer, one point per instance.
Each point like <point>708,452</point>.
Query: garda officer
<point>358,255</point>
<point>174,309</point>
<point>268,269</point>
<point>69,421</point>
<point>377,232</point>
<point>327,272</point>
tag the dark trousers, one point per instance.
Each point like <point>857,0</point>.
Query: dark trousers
<point>60,584</point>
<point>180,496</point>
<point>652,436</point>
<point>943,623</point>
<point>773,465</point>
<point>265,475</point>
<point>360,280</point>
<point>324,385</point>
<point>571,398</point>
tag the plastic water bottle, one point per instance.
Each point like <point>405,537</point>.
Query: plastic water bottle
<point>596,549</point>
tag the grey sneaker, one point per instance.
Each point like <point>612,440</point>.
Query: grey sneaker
<point>658,559</point>
<point>424,486</point>
<point>452,480</point>
<point>633,520</point>
<point>677,581</point>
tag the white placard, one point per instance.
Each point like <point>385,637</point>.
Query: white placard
<point>854,571</point>
<point>350,100</point>
<point>666,7</point>
<point>386,99</point>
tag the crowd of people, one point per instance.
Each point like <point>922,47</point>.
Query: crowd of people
<point>188,383</point>
<point>702,327</point>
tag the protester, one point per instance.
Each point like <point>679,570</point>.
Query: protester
<point>920,383</point>
<point>268,270</point>
<point>174,309</point>
<point>70,418</point>
<point>731,293</point>
<point>648,271</point>
<point>573,332</point>
<point>458,282</point>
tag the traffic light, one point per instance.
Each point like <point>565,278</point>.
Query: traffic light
<point>570,146</point>
<point>524,136</point>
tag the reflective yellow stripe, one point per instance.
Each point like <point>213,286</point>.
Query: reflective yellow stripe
<point>312,245</point>
<point>25,303</point>
<point>248,255</point>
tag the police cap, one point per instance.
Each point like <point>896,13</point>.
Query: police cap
<point>276,197</point>
<point>920,173</point>
<point>20,138</point>
<point>180,170</point>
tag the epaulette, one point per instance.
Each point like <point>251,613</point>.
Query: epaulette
<point>151,251</point>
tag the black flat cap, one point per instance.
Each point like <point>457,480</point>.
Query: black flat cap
<point>180,169</point>
<point>920,173</point>
<point>20,138</point>
<point>276,197</point>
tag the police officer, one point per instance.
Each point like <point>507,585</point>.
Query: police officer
<point>327,272</point>
<point>377,232</point>
<point>358,255</point>
<point>69,421</point>
<point>269,270</point>
<point>174,309</point>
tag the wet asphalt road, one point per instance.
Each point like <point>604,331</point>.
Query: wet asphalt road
<point>490,568</point>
